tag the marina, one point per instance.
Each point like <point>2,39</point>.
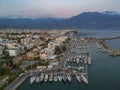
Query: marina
<point>97,73</point>
<point>103,73</point>
<point>76,62</point>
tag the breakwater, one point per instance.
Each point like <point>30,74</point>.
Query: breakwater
<point>107,48</point>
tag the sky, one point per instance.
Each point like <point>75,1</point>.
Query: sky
<point>54,8</point>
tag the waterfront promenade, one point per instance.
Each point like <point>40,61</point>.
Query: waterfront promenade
<point>17,82</point>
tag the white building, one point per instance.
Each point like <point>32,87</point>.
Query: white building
<point>26,40</point>
<point>13,52</point>
<point>61,39</point>
<point>53,44</point>
<point>47,54</point>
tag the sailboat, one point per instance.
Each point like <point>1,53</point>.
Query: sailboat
<point>78,78</point>
<point>46,78</point>
<point>84,78</point>
<point>32,79</point>
<point>55,78</point>
<point>64,78</point>
<point>60,77</point>
<point>69,78</point>
<point>41,77</point>
<point>37,79</point>
<point>51,78</point>
<point>89,60</point>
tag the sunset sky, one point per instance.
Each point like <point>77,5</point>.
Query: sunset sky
<point>54,8</point>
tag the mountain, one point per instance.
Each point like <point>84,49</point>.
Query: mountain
<point>86,20</point>
<point>95,20</point>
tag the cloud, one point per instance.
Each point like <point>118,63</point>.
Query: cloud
<point>56,8</point>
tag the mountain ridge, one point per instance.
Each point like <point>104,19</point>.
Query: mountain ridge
<point>85,20</point>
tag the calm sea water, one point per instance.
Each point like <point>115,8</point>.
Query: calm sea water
<point>103,73</point>
<point>111,43</point>
<point>100,33</point>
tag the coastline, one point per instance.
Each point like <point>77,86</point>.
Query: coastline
<point>101,44</point>
<point>106,48</point>
<point>17,82</point>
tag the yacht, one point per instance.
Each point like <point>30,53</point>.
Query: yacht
<point>32,79</point>
<point>74,60</point>
<point>64,78</point>
<point>46,78</point>
<point>37,79</point>
<point>41,77</point>
<point>68,59</point>
<point>51,78</point>
<point>81,61</point>
<point>84,79</point>
<point>60,78</point>
<point>98,46</point>
<point>89,60</point>
<point>85,61</point>
<point>55,78</point>
<point>69,78</point>
<point>78,78</point>
<point>77,61</point>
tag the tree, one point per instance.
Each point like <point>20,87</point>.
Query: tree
<point>1,71</point>
<point>64,48</point>
<point>48,41</point>
<point>6,71</point>
<point>11,62</point>
<point>25,48</point>
<point>58,50</point>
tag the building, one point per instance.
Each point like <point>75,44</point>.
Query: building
<point>13,52</point>
<point>46,53</point>
<point>11,45</point>
<point>61,39</point>
<point>29,46</point>
<point>53,44</point>
<point>32,54</point>
<point>41,67</point>
<point>43,55</point>
<point>26,40</point>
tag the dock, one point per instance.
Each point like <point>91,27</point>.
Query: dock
<point>107,49</point>
<point>17,82</point>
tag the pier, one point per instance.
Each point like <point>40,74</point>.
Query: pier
<point>17,82</point>
<point>107,49</point>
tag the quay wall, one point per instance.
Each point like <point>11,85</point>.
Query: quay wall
<point>107,49</point>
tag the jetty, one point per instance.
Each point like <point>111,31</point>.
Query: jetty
<point>106,48</point>
<point>17,82</point>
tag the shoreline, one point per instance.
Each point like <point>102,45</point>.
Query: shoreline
<point>17,82</point>
<point>100,42</point>
<point>106,48</point>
